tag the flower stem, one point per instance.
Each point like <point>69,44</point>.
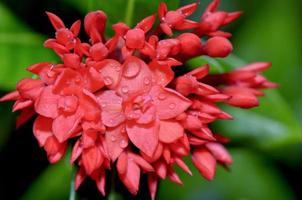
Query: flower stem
<point>129,12</point>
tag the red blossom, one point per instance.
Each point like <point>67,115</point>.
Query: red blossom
<point>126,106</point>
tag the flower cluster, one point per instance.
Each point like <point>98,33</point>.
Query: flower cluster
<point>120,104</point>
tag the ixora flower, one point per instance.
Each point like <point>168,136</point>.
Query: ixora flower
<point>123,106</point>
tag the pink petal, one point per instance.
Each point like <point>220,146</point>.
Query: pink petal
<point>161,169</point>
<point>112,110</point>
<point>144,137</point>
<point>205,162</point>
<point>170,131</point>
<point>162,74</point>
<point>89,106</point>
<point>42,129</point>
<point>116,140</point>
<point>100,183</point>
<point>47,103</point>
<point>169,103</point>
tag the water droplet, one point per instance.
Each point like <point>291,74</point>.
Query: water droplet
<point>125,89</point>
<point>172,106</point>
<point>123,130</point>
<point>103,105</point>
<point>78,79</point>
<point>132,69</point>
<point>161,96</point>
<point>123,144</point>
<point>146,81</point>
<point>108,80</point>
<point>113,139</point>
<point>117,68</point>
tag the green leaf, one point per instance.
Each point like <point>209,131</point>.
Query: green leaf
<point>269,126</point>
<point>131,11</point>
<point>251,177</point>
<point>53,183</point>
<point>19,48</point>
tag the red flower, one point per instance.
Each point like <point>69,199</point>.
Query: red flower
<point>125,104</point>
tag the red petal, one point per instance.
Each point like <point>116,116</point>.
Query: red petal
<point>42,129</point>
<point>141,162</point>
<point>79,178</point>
<point>55,21</point>
<point>71,60</point>
<point>20,105</point>
<point>75,28</point>
<point>76,151</point>
<point>30,88</point>
<point>95,23</point>
<point>66,79</point>
<point>89,106</point>
<point>161,169</point>
<point>144,137</point>
<point>220,153</point>
<point>204,162</point>
<point>64,125</point>
<point>240,97</point>
<point>47,103</point>
<point>25,115</point>
<point>152,184</point>
<point>183,165</point>
<point>122,164</point>
<point>162,10</point>
<point>136,77</point>
<point>170,131</point>
<point>174,177</point>
<point>117,141</point>
<point>169,103</point>
<point>55,150</point>
<point>92,159</point>
<point>111,72</point>
<point>131,177</point>
<point>146,24</point>
<point>12,96</point>
<point>188,9</point>
<point>162,74</point>
<point>112,110</point>
<point>217,47</point>
<point>100,183</point>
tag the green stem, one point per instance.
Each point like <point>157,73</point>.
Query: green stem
<point>129,12</point>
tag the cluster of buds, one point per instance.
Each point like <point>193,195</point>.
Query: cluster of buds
<point>121,102</point>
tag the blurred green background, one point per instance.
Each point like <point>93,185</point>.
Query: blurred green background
<point>266,141</point>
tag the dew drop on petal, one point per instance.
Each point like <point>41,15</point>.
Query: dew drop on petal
<point>50,73</point>
<point>172,106</point>
<point>146,81</point>
<point>113,139</point>
<point>125,89</point>
<point>161,96</point>
<point>108,80</point>
<point>132,69</point>
<point>103,105</point>
<point>123,144</point>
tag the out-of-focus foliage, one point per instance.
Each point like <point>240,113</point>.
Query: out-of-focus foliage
<point>19,48</point>
<point>268,31</point>
<point>250,177</point>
